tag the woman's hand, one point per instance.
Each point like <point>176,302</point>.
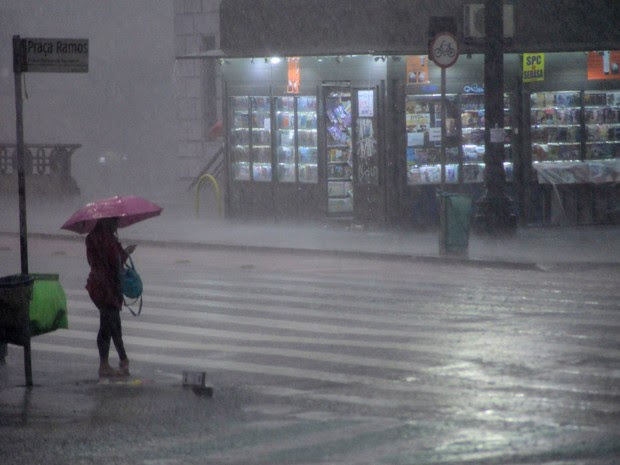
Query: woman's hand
<point>130,248</point>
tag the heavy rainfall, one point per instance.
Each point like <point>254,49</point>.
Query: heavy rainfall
<point>331,274</point>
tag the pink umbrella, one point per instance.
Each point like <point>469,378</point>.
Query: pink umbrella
<point>129,209</point>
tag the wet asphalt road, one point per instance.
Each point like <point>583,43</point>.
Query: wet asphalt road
<point>322,360</point>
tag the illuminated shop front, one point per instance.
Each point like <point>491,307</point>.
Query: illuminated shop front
<point>333,150</point>
<point>304,137</point>
<point>561,137</point>
<point>348,126</point>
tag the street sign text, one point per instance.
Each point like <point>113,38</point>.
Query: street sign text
<point>55,55</point>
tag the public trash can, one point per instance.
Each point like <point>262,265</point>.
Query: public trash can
<point>30,305</point>
<point>15,295</point>
<point>455,223</point>
<point>48,308</point>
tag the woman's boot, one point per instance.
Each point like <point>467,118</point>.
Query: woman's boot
<point>124,367</point>
<point>106,371</point>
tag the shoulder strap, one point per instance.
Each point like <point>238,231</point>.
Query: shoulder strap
<point>134,313</point>
<point>131,265</point>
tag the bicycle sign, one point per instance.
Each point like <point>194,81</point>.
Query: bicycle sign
<point>444,49</point>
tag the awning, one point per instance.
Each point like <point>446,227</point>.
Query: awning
<point>255,28</point>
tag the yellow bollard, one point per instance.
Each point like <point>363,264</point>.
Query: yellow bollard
<point>216,187</point>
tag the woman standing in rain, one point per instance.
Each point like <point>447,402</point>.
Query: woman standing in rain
<point>106,256</point>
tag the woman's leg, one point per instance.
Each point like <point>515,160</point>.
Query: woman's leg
<point>117,334</point>
<point>110,330</point>
<point>104,336</point>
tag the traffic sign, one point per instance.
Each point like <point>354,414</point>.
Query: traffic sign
<point>444,49</point>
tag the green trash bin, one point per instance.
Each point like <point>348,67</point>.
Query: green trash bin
<point>456,215</point>
<point>48,308</point>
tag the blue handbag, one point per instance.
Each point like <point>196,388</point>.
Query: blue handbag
<point>131,285</point>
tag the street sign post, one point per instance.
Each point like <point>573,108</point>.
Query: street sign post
<point>38,55</point>
<point>444,51</point>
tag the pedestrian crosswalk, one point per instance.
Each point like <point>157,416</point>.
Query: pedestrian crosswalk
<point>379,370</point>
<point>283,327</point>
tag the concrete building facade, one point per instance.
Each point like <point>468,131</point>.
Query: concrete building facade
<point>197,83</point>
<point>227,45</point>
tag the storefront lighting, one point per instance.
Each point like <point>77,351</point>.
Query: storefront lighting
<point>275,60</point>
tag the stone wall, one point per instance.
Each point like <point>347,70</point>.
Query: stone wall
<point>197,83</point>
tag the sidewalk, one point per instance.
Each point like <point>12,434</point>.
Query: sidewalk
<point>178,226</point>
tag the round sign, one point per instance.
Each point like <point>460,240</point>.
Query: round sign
<point>444,49</point>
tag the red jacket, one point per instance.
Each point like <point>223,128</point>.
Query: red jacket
<point>105,256</point>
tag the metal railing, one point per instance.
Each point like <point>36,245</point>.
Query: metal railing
<point>212,170</point>
<point>47,166</point>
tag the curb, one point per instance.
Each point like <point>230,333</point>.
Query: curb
<point>479,262</point>
<point>401,257</point>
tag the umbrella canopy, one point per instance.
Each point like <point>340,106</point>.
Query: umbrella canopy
<point>129,209</point>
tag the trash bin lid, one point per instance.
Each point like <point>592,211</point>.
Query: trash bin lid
<point>15,280</point>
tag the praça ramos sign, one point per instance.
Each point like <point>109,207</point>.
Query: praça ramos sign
<point>54,55</point>
<point>533,67</point>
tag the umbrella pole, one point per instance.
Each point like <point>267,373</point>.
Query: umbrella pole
<point>18,63</point>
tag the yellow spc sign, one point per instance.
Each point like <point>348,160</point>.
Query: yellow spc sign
<point>533,67</point>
